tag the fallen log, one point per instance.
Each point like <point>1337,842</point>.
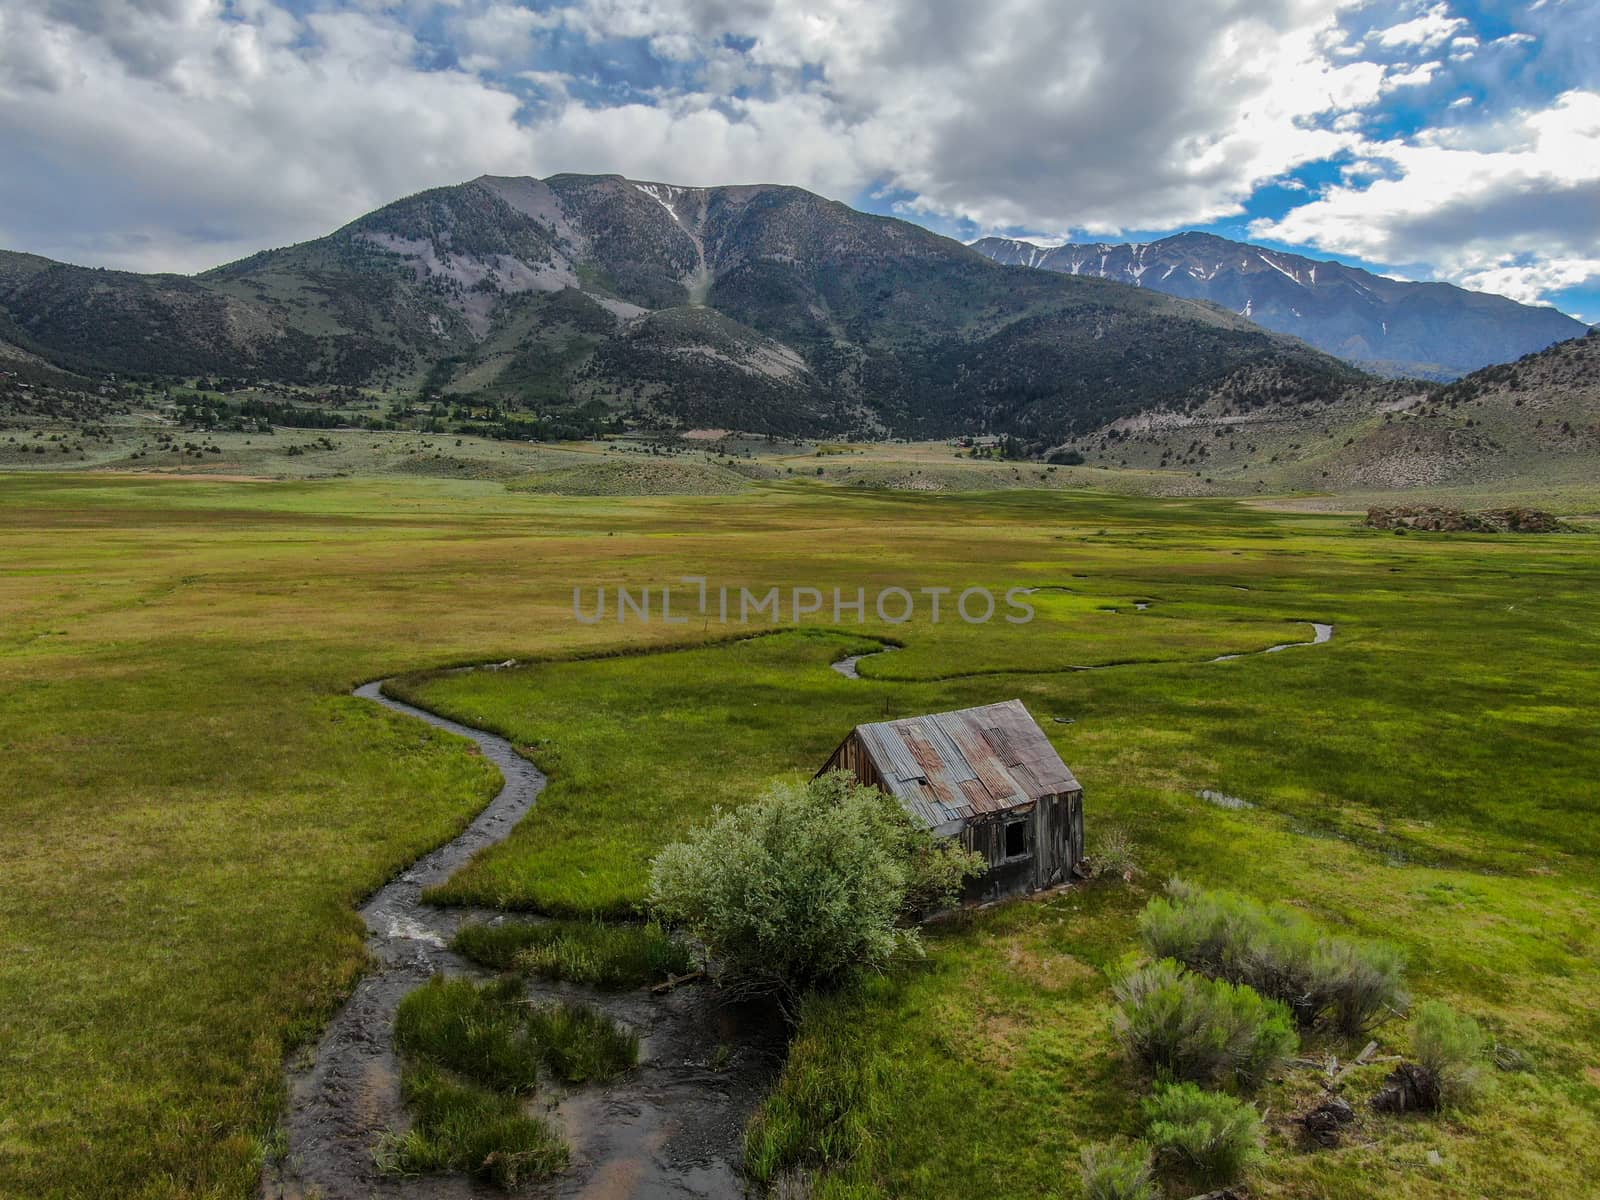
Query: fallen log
<point>673,981</point>
<point>1360,1060</point>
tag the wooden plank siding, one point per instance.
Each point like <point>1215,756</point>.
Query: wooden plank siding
<point>1054,833</point>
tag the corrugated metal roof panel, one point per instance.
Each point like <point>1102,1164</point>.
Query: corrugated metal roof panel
<point>952,766</point>
<point>1002,745</point>
<point>890,752</point>
<point>1003,789</point>
<point>1029,781</point>
<point>929,811</point>
<point>949,795</point>
<point>955,762</point>
<point>977,794</point>
<point>928,758</point>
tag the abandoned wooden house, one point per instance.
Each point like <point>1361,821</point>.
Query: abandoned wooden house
<point>986,775</point>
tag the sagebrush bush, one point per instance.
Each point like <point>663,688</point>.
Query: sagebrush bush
<point>1213,1138</point>
<point>1451,1048</point>
<point>1349,983</point>
<point>1117,1171</point>
<point>1182,1025</point>
<point>1196,928</point>
<point>1355,985</point>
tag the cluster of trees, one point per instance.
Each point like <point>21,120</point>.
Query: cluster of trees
<point>256,415</point>
<point>558,428</point>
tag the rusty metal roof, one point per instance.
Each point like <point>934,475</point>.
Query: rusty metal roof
<point>953,766</point>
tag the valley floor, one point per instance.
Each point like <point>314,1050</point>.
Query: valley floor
<point>194,804</point>
<point>1261,461</point>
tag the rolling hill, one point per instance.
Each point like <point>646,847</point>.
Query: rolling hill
<point>1424,330</point>
<point>1527,424</point>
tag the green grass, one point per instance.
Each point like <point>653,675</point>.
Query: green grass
<point>580,1044</point>
<point>194,805</point>
<point>1287,459</point>
<point>480,1031</point>
<point>475,1052</point>
<point>1376,765</point>
<point>490,1034</point>
<point>588,952</point>
<point>457,1127</point>
<point>636,477</point>
<point>565,860</point>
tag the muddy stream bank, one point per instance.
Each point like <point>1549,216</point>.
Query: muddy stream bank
<point>671,1128</point>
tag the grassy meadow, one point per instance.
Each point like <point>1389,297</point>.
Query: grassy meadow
<point>193,804</point>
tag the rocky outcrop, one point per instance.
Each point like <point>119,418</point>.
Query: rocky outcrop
<point>1434,519</point>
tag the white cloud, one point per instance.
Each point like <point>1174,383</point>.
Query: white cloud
<point>166,137</point>
<point>688,141</point>
<point>1512,206</point>
<point>1411,76</point>
<point>1103,114</point>
<point>502,35</point>
<point>179,133</point>
<point>1432,28</point>
<point>1532,283</point>
<point>182,132</point>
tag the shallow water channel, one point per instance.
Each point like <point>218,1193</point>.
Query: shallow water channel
<point>672,1127</point>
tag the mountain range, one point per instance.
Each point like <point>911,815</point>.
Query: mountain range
<point>762,308</point>
<point>1388,326</point>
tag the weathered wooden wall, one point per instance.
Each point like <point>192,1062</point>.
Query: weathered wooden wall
<point>1054,834</point>
<point>851,757</point>
<point>1055,845</point>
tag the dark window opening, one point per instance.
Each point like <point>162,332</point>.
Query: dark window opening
<point>1016,839</point>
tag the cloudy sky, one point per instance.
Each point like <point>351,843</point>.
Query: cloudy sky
<point>1446,140</point>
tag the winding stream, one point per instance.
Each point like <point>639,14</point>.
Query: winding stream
<point>672,1128</point>
<point>1320,633</point>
